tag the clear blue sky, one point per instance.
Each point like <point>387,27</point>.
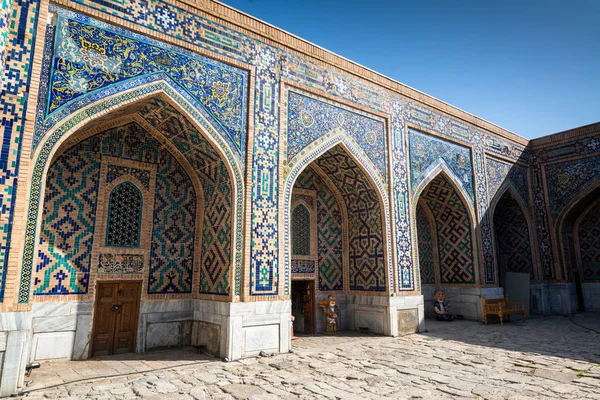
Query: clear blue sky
<point>530,66</point>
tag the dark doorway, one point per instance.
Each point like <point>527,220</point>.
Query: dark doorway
<point>303,306</point>
<point>513,249</point>
<point>116,315</point>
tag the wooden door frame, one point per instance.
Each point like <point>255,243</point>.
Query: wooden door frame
<point>93,316</point>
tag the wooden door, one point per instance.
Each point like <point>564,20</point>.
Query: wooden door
<point>115,318</point>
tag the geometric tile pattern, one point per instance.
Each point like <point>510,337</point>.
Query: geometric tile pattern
<point>18,32</point>
<point>88,58</point>
<point>512,236</point>
<point>365,220</point>
<point>309,119</point>
<point>116,171</point>
<point>589,244</point>
<point>399,164</point>
<point>554,160</point>
<point>215,264</point>
<point>217,228</point>
<point>426,254</point>
<point>301,231</point>
<point>173,234</point>
<point>329,231</point>
<point>124,216</point>
<point>565,180</point>
<point>427,150</point>
<point>454,235</point>
<point>498,172</point>
<point>68,219</point>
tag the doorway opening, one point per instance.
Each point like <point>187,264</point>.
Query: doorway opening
<point>116,314</point>
<point>303,306</point>
<point>513,249</point>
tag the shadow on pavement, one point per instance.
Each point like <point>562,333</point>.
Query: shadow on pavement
<point>576,337</point>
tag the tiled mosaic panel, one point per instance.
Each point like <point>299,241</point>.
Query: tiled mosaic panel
<point>512,236</point>
<point>552,154</point>
<point>329,231</point>
<point>426,246</point>
<point>499,172</point>
<point>454,235</point>
<point>18,27</point>
<point>217,230</point>
<point>309,119</point>
<point>426,151</point>
<point>216,236</point>
<point>403,230</point>
<point>566,180</point>
<point>173,222</point>
<point>5,9</point>
<point>88,57</point>
<point>116,171</point>
<point>301,231</point>
<point>68,220</point>
<point>173,233</point>
<point>589,244</point>
<point>365,220</point>
<point>124,216</point>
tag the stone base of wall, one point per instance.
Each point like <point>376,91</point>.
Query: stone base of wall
<point>383,315</point>
<point>62,331</point>
<point>591,296</point>
<point>165,323</point>
<point>561,298</point>
<point>15,335</point>
<point>242,330</point>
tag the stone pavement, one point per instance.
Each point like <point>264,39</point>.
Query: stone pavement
<point>541,358</point>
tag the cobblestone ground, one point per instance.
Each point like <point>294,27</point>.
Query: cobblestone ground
<point>541,358</point>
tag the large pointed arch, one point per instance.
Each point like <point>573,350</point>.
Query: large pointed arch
<point>441,169</point>
<point>559,225</point>
<point>508,187</point>
<point>112,100</point>
<point>336,137</point>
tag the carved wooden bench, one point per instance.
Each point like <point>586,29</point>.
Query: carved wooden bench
<point>502,307</point>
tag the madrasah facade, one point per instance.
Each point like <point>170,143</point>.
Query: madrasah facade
<point>178,173</point>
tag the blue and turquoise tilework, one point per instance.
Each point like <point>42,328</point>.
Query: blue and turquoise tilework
<point>567,179</point>
<point>18,28</point>
<point>310,118</point>
<point>89,55</point>
<point>499,172</point>
<point>426,151</point>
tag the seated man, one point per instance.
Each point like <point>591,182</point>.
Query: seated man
<point>441,308</point>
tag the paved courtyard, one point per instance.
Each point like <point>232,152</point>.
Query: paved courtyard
<point>541,358</point>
